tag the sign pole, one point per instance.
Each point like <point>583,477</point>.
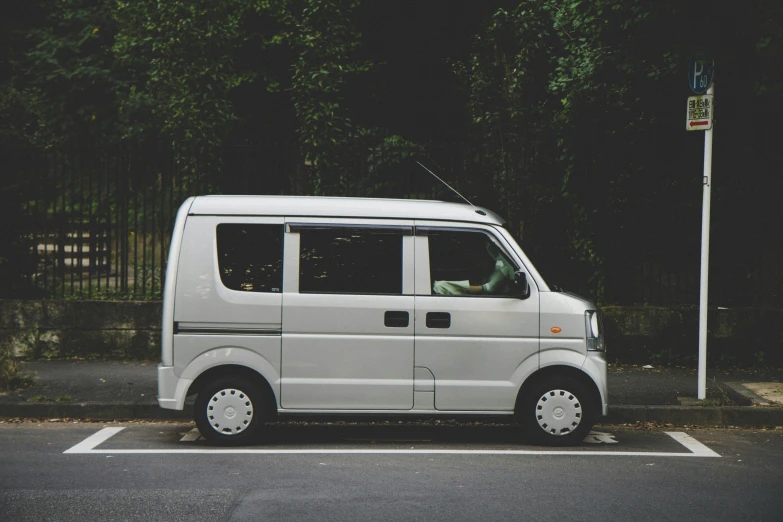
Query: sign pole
<point>705,258</point>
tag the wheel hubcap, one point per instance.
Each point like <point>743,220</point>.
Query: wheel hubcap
<point>558,412</point>
<point>230,411</point>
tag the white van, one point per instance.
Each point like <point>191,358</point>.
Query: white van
<point>346,306</point>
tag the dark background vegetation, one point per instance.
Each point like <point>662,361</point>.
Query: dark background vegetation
<point>566,117</point>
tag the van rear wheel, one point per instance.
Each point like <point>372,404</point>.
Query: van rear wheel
<point>557,411</point>
<point>229,411</point>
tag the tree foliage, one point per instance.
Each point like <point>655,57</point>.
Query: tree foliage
<point>178,67</point>
<point>566,114</point>
<point>63,83</point>
<point>577,108</point>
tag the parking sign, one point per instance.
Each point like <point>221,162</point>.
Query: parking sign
<point>700,71</point>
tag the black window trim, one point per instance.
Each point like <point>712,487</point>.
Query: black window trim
<point>403,230</point>
<point>312,292</point>
<point>426,230</point>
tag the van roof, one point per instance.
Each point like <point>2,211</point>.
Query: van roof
<point>313,206</point>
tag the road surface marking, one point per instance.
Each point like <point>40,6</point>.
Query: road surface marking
<point>599,437</point>
<point>88,446</point>
<point>692,444</point>
<point>191,436</point>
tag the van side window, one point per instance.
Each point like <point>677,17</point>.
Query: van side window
<point>250,257</point>
<point>350,261</point>
<point>464,263</point>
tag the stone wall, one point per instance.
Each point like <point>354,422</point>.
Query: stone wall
<point>85,329</point>
<point>735,336</point>
<point>644,335</point>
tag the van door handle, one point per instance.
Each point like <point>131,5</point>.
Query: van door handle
<point>396,319</point>
<point>438,320</point>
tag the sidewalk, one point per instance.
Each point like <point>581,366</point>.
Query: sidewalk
<point>104,390</point>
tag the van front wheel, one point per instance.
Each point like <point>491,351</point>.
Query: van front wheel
<point>557,411</point>
<point>229,411</point>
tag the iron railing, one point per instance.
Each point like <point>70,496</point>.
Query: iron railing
<point>95,223</point>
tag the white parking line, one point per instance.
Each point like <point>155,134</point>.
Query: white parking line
<point>89,445</point>
<point>692,444</point>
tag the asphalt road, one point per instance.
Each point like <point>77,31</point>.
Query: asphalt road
<point>385,472</point>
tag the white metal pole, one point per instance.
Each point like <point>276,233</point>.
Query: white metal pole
<point>705,254</point>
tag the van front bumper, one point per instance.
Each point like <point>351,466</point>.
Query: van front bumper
<point>596,367</point>
<point>171,389</point>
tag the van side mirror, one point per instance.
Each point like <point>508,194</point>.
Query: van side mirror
<point>523,287</point>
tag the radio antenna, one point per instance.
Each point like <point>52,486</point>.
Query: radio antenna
<point>478,211</point>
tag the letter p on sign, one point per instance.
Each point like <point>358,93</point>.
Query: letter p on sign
<point>700,74</point>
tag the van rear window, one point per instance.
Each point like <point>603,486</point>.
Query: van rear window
<point>350,261</point>
<point>250,257</point>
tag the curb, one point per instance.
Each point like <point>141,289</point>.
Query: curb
<point>748,394</point>
<point>91,410</point>
<point>740,416</point>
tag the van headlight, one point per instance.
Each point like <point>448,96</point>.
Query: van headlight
<point>594,331</point>
<point>594,328</point>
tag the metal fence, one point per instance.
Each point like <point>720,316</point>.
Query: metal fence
<point>95,223</point>
<point>99,222</point>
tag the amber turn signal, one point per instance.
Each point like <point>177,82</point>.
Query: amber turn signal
<point>555,329</point>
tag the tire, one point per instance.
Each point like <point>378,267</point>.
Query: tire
<point>229,411</point>
<point>558,411</point>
